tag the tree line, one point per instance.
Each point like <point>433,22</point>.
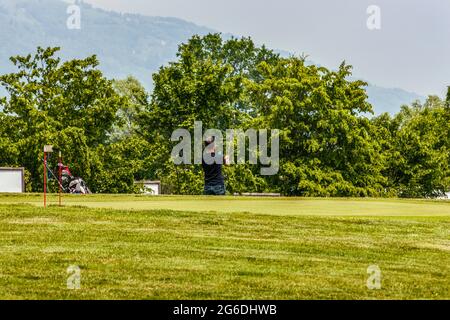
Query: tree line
<point>113,132</point>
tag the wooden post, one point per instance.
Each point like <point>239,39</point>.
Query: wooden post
<point>45,179</point>
<point>60,178</point>
<point>47,149</point>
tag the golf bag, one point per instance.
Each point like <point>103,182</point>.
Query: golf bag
<point>71,184</point>
<point>78,186</point>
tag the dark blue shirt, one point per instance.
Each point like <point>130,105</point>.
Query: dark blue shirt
<point>213,173</point>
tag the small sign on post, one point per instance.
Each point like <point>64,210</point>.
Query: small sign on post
<point>47,149</point>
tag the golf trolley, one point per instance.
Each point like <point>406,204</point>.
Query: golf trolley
<point>66,181</point>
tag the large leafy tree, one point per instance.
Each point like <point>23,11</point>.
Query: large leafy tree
<point>418,149</point>
<point>70,105</point>
<point>326,144</point>
<point>205,83</point>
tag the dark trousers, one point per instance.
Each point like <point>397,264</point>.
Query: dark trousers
<point>214,190</point>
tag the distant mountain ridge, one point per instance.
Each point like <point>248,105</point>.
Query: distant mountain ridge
<point>126,44</point>
<point>390,99</point>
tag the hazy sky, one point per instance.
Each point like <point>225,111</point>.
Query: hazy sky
<point>411,51</point>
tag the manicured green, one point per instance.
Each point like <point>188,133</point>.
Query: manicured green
<point>272,206</point>
<point>163,254</point>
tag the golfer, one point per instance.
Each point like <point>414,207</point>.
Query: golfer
<point>214,180</point>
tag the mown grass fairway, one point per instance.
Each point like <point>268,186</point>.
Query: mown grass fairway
<point>272,206</point>
<point>306,249</point>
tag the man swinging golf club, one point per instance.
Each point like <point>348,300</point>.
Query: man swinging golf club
<point>214,179</point>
